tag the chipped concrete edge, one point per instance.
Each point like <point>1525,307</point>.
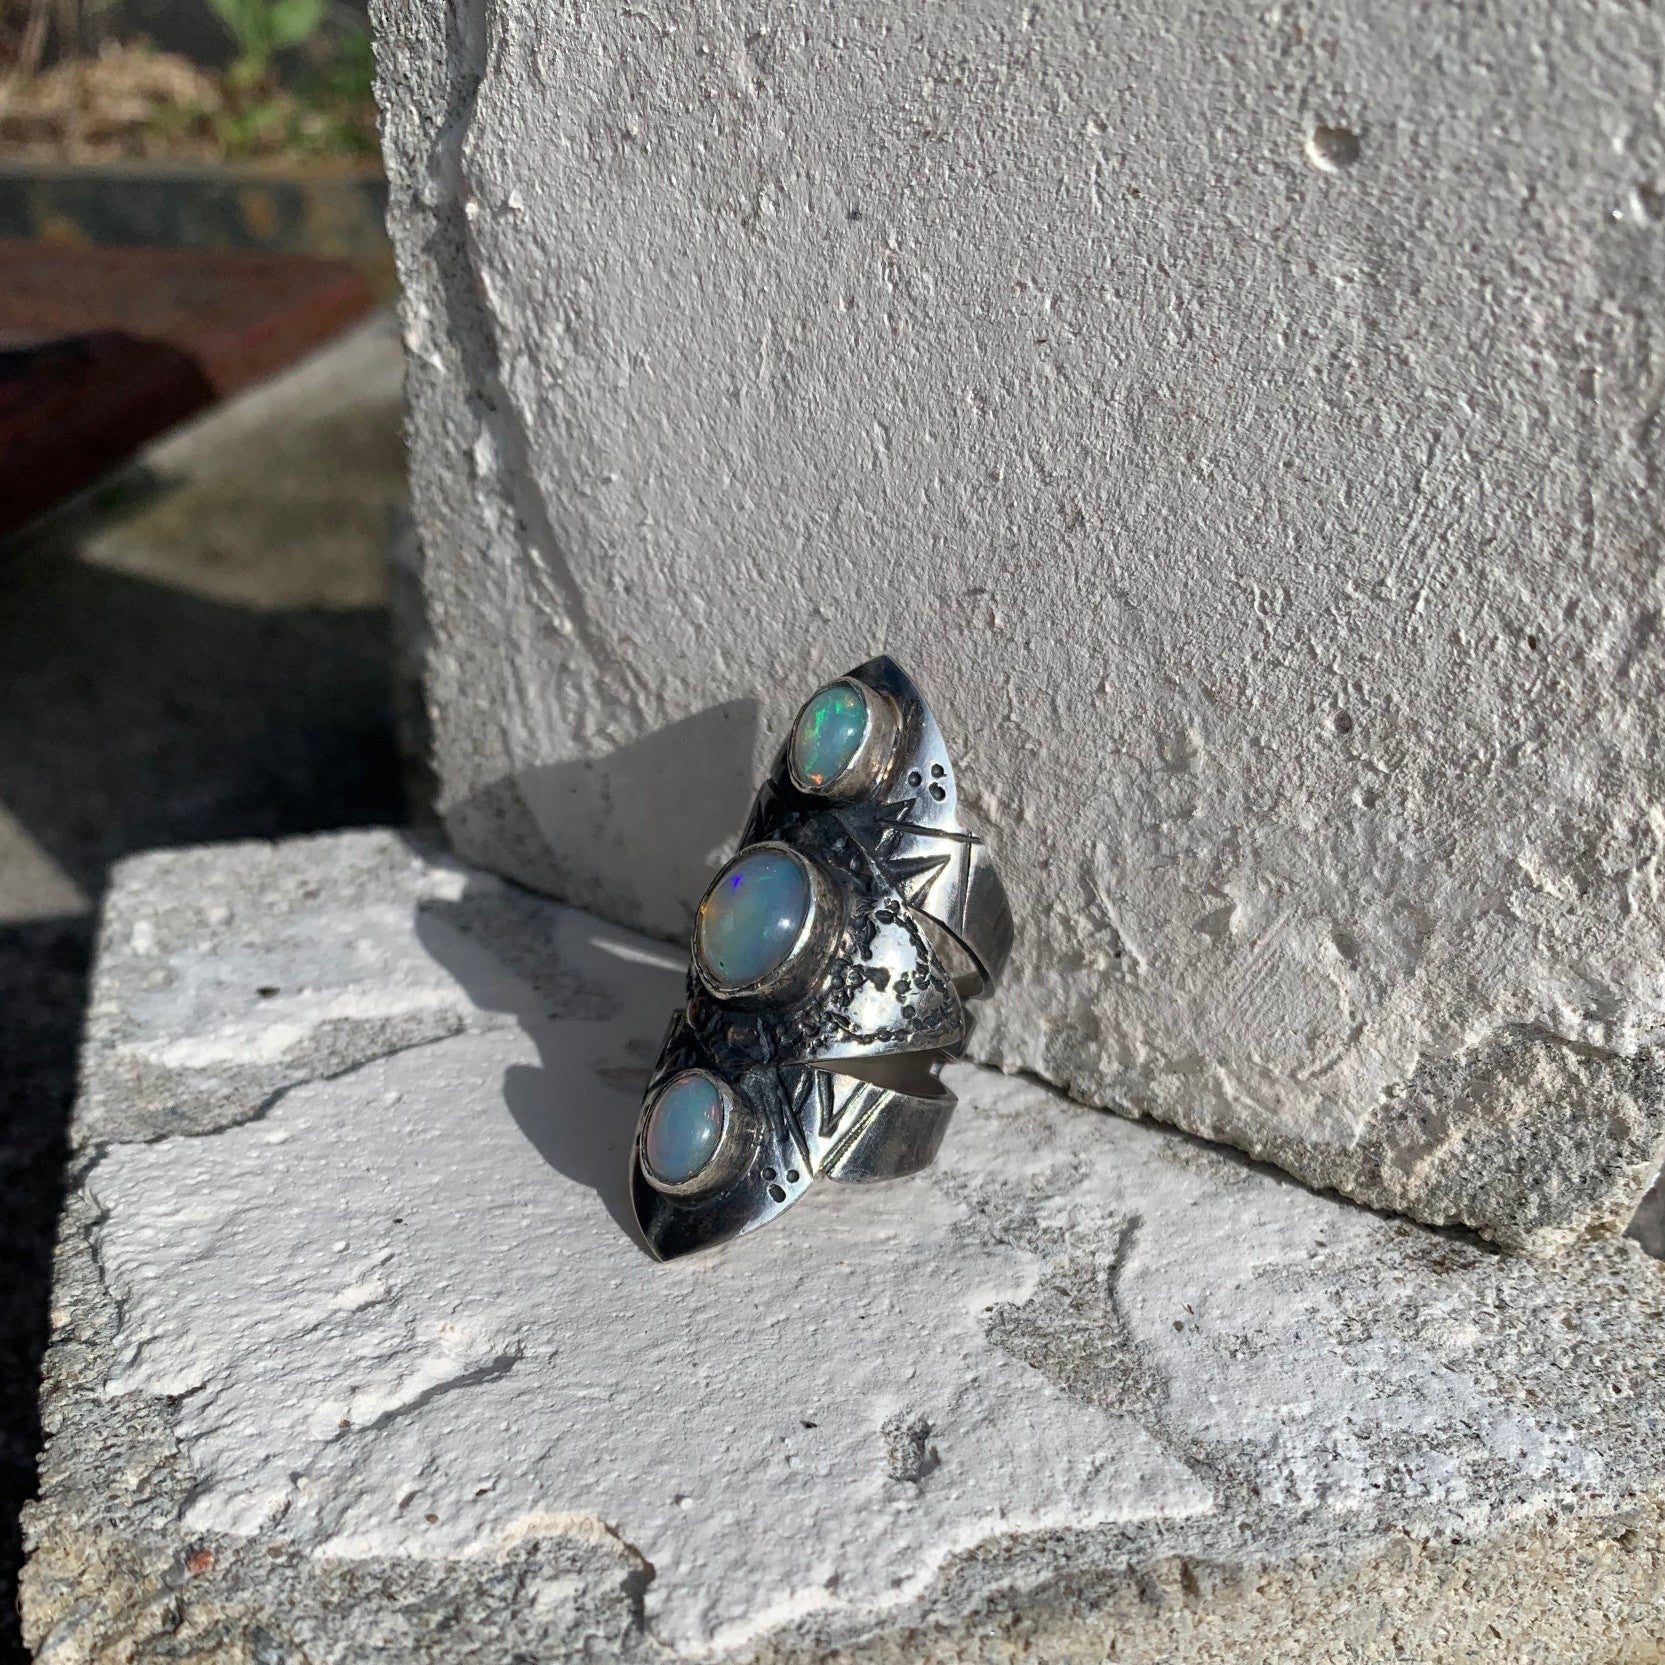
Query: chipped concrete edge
<point>1428,1147</point>
<point>112,1571</point>
<point>113,1574</point>
<point>465,525</point>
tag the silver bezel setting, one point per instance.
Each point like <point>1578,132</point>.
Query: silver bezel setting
<point>802,965</point>
<point>725,1159</point>
<point>873,755</point>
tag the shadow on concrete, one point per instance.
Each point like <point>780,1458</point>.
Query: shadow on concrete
<point>1648,1225</point>
<point>135,714</point>
<point>634,834</point>
<point>43,971</point>
<point>593,999</point>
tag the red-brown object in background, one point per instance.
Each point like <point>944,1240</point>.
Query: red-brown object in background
<point>239,315</point>
<point>156,334</point>
<point>72,409</point>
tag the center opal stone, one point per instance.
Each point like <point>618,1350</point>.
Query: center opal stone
<point>829,734</point>
<point>752,917</point>
<point>684,1129</point>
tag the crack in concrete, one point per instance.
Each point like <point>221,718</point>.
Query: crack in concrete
<point>465,300</point>
<point>265,1105</point>
<point>493,1371</point>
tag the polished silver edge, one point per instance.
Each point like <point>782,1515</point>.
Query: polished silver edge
<point>874,754</point>
<point>898,1134</point>
<point>975,912</point>
<point>806,960</point>
<point>725,1161</point>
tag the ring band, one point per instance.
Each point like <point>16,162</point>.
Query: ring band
<point>832,961</point>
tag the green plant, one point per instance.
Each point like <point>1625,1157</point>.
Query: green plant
<point>350,73</point>
<point>263,28</point>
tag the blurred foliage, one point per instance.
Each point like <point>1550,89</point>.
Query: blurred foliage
<point>300,87</point>
<point>350,70</point>
<point>261,29</point>
<point>326,110</point>
<point>32,30</point>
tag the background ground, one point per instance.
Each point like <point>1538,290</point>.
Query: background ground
<point>200,654</point>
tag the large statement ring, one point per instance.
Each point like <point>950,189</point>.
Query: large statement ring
<point>833,959</point>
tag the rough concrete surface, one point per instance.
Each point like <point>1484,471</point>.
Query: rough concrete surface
<point>1243,421</point>
<point>195,651</point>
<point>354,1355</point>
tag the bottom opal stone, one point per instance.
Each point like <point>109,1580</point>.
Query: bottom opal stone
<point>752,917</point>
<point>828,735</point>
<point>684,1129</point>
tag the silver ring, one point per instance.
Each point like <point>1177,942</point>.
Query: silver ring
<point>831,966</point>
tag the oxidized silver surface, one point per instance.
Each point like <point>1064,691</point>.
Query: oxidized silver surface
<point>834,1075</point>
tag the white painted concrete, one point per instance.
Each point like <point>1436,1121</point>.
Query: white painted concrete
<point>398,1315</point>
<point>1241,420</point>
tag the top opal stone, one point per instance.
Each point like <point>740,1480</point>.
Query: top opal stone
<point>683,1129</point>
<point>828,735</point>
<point>752,917</point>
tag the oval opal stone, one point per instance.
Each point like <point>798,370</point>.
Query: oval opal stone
<point>751,917</point>
<point>684,1129</point>
<point>829,734</point>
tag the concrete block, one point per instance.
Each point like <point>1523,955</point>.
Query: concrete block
<point>1243,422</point>
<point>354,1355</point>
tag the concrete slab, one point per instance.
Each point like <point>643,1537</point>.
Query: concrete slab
<point>199,653</point>
<point>354,1351</point>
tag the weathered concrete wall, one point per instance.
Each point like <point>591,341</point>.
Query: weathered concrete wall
<point>1242,420</point>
